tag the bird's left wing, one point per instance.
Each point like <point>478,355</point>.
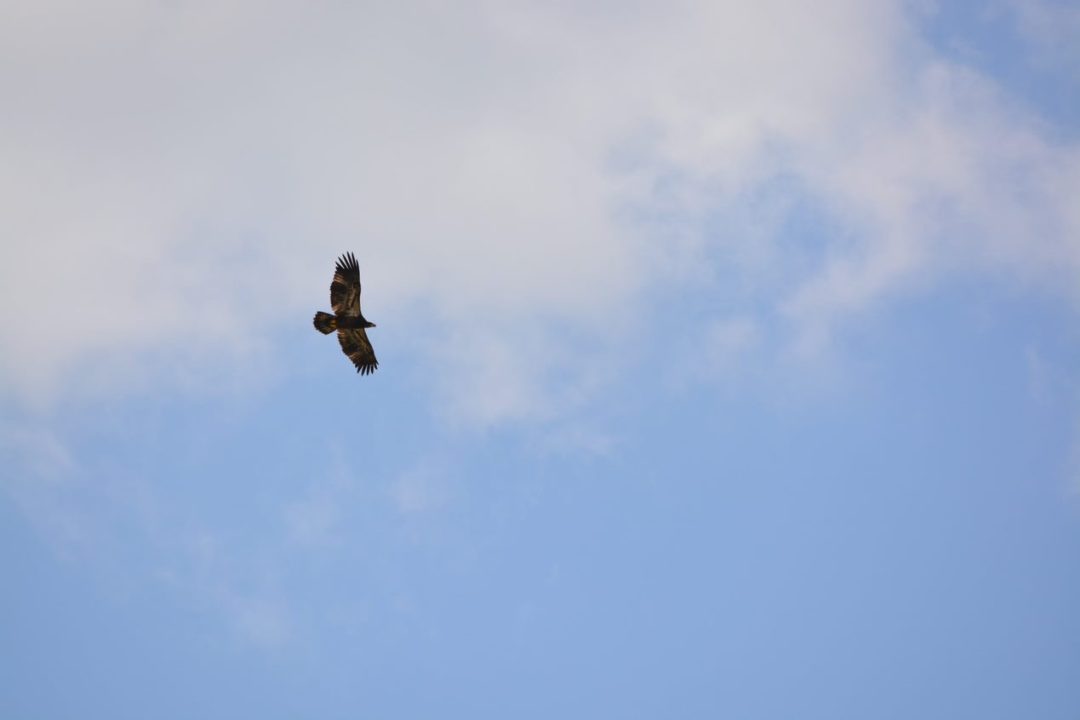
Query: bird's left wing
<point>355,344</point>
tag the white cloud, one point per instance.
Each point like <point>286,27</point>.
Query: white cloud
<point>958,182</point>
<point>178,178</point>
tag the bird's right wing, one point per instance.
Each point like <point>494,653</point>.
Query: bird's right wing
<point>345,289</point>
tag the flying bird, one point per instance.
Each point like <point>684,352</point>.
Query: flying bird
<point>347,318</point>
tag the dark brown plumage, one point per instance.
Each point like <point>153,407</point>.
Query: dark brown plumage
<point>347,318</point>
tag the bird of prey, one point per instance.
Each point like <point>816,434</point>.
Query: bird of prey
<point>347,318</point>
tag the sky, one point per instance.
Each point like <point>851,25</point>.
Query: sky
<point>728,359</point>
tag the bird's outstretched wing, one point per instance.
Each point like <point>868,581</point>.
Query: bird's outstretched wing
<point>355,344</point>
<point>345,289</point>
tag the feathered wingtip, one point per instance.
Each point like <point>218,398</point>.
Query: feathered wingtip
<point>347,264</point>
<point>325,322</point>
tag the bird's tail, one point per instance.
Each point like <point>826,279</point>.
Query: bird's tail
<point>325,323</point>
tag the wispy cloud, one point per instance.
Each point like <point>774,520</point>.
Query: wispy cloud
<point>1051,28</point>
<point>248,578</point>
<point>39,478</point>
<point>418,491</point>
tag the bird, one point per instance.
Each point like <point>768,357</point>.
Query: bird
<point>347,319</point>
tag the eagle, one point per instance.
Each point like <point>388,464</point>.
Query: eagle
<point>347,318</point>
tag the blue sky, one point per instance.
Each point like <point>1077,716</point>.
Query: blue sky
<point>727,360</point>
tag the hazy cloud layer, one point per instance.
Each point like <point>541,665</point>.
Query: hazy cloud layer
<point>513,177</point>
